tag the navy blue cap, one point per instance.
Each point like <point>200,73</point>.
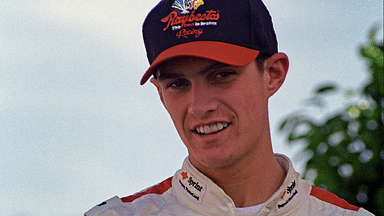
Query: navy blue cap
<point>233,32</point>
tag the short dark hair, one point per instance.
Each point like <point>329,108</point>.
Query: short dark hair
<point>260,59</point>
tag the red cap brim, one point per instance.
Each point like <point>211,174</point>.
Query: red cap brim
<point>218,51</point>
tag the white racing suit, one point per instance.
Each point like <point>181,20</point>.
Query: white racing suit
<point>189,192</point>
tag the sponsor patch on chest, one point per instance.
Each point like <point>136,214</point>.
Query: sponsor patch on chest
<point>194,187</point>
<point>290,194</point>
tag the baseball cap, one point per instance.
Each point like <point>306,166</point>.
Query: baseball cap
<point>233,32</point>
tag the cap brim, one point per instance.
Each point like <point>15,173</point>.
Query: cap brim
<point>218,51</point>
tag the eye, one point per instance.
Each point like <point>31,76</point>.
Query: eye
<point>223,74</point>
<point>178,83</point>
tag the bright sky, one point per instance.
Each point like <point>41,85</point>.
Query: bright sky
<point>76,127</point>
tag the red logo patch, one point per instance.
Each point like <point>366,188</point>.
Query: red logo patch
<point>184,175</point>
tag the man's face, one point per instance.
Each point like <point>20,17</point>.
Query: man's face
<point>219,111</point>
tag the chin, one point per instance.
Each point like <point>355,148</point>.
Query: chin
<point>217,161</point>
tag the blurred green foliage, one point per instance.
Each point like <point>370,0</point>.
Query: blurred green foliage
<point>346,150</point>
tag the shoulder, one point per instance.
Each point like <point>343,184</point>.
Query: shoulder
<point>150,199</point>
<point>156,189</point>
<point>327,203</point>
<point>331,199</point>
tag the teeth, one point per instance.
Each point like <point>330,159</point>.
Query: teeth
<point>214,127</point>
<point>220,126</point>
<point>207,129</point>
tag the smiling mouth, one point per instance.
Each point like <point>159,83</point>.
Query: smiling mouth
<point>212,128</point>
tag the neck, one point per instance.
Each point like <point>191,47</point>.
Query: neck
<point>249,184</point>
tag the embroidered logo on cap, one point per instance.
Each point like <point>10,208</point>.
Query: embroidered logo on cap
<point>184,22</point>
<point>289,194</point>
<point>194,187</point>
<point>185,5</point>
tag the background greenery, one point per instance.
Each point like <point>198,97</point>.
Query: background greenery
<point>346,150</point>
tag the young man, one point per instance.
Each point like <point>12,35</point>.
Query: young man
<point>215,64</point>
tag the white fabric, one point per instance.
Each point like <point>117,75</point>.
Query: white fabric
<point>192,193</point>
<point>250,209</point>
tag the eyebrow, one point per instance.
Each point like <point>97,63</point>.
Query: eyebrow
<point>165,76</point>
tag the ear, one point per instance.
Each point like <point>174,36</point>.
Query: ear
<point>276,67</point>
<point>158,87</point>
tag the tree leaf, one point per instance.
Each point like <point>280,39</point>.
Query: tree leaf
<point>334,133</point>
<point>326,88</point>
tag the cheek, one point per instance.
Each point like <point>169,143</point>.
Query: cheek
<point>251,103</point>
<point>175,110</point>
<point>249,97</point>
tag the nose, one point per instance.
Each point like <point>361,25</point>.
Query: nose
<point>202,102</point>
